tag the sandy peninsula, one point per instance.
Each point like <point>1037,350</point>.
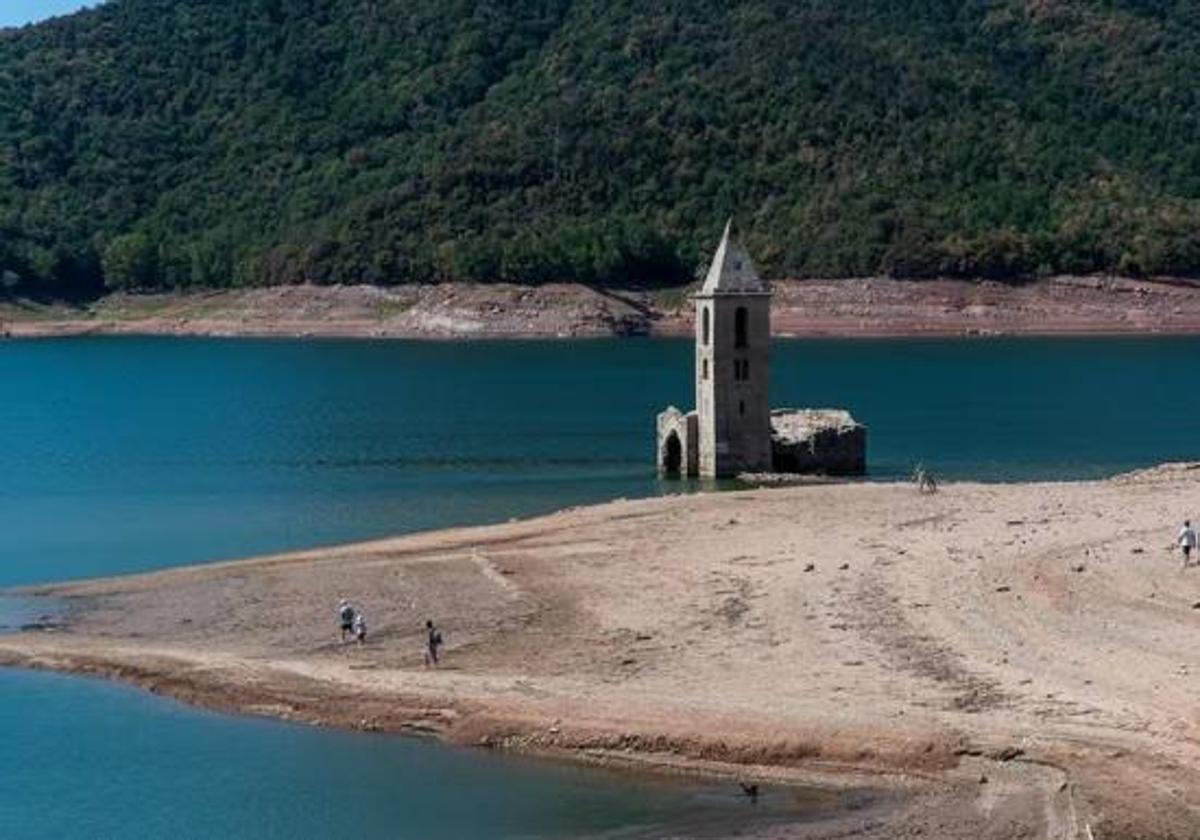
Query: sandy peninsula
<point>864,307</point>
<point>996,661</point>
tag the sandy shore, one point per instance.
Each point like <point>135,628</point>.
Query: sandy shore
<point>1008,660</point>
<point>872,307</point>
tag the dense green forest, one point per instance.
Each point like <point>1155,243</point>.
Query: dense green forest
<point>173,143</point>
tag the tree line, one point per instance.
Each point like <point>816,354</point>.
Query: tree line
<point>149,144</point>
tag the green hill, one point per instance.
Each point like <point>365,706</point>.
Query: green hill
<point>213,142</point>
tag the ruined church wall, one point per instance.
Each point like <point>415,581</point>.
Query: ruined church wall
<point>684,428</point>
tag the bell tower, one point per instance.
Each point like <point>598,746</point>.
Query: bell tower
<point>733,356</point>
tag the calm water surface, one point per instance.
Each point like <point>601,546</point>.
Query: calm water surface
<point>85,759</point>
<point>127,454</point>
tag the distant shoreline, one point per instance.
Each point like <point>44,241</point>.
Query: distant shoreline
<point>857,308</point>
<point>1013,657</point>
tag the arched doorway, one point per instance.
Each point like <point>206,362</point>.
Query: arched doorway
<point>672,455</point>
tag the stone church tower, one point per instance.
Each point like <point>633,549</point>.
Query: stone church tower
<point>733,356</point>
<point>733,430</point>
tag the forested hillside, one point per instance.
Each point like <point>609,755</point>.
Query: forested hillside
<point>161,143</point>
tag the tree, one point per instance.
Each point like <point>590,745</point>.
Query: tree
<point>130,262</point>
<point>601,141</point>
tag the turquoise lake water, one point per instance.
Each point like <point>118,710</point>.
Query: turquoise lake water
<point>86,759</point>
<point>127,454</point>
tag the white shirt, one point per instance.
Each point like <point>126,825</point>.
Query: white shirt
<point>1187,537</point>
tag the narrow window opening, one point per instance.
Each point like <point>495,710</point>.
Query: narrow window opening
<point>745,370</point>
<point>704,369</point>
<point>740,319</point>
<point>704,326</point>
<point>742,407</point>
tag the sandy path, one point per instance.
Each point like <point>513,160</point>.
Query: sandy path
<point>1041,637</point>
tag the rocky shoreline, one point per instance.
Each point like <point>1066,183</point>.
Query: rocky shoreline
<point>872,307</point>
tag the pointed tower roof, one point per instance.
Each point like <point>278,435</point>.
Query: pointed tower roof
<point>732,272</point>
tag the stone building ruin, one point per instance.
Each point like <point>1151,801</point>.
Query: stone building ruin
<point>733,430</point>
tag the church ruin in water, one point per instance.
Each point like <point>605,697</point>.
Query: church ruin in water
<point>733,430</point>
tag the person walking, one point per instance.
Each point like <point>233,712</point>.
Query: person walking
<point>346,614</point>
<point>433,644</point>
<point>360,627</point>
<point>1187,541</point>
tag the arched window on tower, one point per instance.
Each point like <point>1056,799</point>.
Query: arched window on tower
<point>704,326</point>
<point>740,327</point>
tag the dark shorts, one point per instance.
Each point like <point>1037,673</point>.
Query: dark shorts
<point>347,625</point>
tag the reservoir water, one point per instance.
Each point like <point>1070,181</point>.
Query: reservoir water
<point>86,759</point>
<point>124,454</point>
<point>119,455</point>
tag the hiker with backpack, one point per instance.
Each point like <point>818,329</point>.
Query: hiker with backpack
<point>346,613</point>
